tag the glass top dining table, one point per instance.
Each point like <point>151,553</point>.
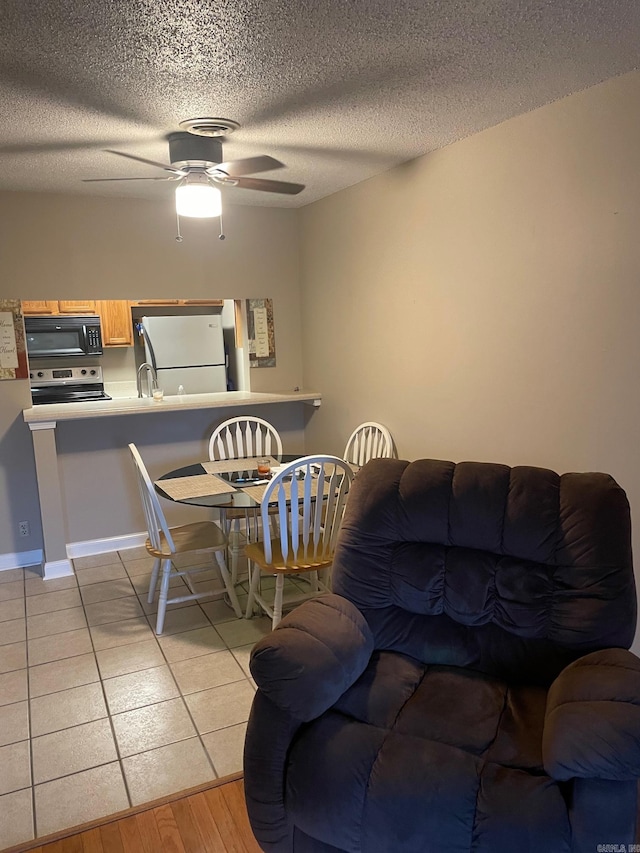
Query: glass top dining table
<point>203,484</point>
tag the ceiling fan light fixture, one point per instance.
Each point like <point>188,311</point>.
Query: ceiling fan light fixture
<point>196,197</point>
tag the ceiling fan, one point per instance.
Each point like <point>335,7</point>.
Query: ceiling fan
<point>196,163</point>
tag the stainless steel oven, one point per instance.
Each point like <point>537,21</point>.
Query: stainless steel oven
<point>67,384</point>
<point>51,337</point>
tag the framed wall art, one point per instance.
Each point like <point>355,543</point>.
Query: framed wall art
<point>13,350</point>
<point>261,333</point>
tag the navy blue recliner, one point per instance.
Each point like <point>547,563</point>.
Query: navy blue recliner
<point>467,687</point>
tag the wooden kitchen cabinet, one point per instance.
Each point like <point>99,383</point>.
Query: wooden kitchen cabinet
<point>117,326</point>
<point>58,306</point>
<point>87,306</point>
<point>35,306</point>
<point>115,316</point>
<point>218,303</point>
<point>156,302</point>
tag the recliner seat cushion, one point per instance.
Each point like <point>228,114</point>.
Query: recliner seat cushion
<point>417,758</point>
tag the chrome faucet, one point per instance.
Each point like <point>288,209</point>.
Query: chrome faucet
<point>152,379</point>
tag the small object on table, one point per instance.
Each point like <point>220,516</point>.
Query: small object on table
<point>158,395</point>
<point>264,466</point>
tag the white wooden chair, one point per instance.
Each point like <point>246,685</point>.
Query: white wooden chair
<point>309,496</point>
<point>242,438</point>
<point>368,441</point>
<point>164,542</point>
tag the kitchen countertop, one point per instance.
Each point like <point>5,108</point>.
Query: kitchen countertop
<point>146,405</point>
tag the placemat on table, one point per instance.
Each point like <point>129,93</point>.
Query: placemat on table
<point>222,466</point>
<point>198,486</point>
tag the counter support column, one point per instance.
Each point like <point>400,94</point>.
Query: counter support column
<point>56,562</point>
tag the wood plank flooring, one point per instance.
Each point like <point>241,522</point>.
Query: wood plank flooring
<point>213,820</point>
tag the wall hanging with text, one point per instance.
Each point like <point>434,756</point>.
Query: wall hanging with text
<point>13,353</point>
<point>261,333</point>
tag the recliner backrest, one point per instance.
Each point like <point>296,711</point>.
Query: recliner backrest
<point>490,565</point>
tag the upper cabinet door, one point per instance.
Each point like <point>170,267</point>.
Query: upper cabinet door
<point>157,302</point>
<point>34,306</point>
<point>117,326</point>
<point>216,302</point>
<point>77,307</point>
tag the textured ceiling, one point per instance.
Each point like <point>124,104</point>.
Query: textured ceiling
<point>339,90</point>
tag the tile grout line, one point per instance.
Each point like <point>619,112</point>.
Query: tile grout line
<point>34,825</point>
<point>31,736</point>
<point>28,738</point>
<point>75,772</point>
<point>106,703</point>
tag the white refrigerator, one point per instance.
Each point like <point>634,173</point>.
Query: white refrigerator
<point>186,351</point>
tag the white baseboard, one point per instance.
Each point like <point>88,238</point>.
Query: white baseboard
<point>104,546</point>
<point>57,569</point>
<point>21,560</point>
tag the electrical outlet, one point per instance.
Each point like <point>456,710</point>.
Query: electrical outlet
<point>24,528</point>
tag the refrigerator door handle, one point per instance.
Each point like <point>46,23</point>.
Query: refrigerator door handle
<point>147,339</point>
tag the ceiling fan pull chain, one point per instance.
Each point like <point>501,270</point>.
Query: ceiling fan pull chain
<point>221,235</point>
<point>179,235</point>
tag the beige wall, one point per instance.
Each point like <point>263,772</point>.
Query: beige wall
<point>71,247</point>
<point>484,301</point>
<point>18,491</point>
<point>97,474</point>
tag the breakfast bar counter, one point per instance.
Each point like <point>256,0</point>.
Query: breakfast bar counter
<point>43,420</point>
<point>53,412</point>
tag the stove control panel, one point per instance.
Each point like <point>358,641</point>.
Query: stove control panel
<point>65,375</point>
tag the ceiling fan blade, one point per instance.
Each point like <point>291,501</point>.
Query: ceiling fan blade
<point>164,166</point>
<point>94,180</point>
<point>249,166</point>
<point>268,186</point>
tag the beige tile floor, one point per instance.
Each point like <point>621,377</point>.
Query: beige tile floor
<point>97,713</point>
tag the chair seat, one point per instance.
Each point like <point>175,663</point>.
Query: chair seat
<point>255,553</point>
<point>198,536</point>
<point>401,721</point>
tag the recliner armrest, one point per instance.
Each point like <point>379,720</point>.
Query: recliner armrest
<point>592,721</point>
<point>313,655</point>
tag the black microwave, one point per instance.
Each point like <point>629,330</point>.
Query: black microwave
<point>50,337</point>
